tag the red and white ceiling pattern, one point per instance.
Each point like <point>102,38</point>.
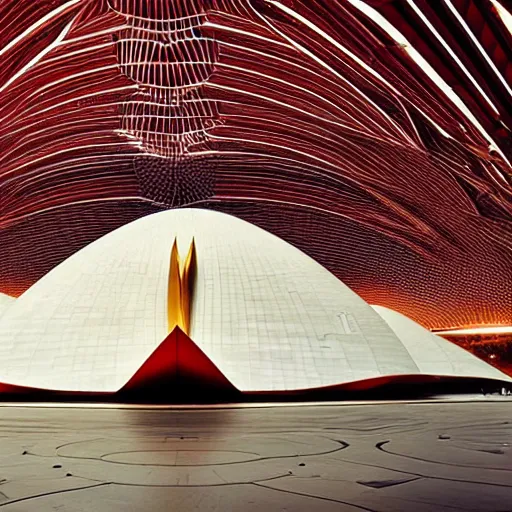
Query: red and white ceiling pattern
<point>373,135</point>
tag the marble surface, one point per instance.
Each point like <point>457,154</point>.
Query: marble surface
<point>381,457</point>
<point>5,302</point>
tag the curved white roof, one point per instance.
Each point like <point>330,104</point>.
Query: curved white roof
<point>434,355</point>
<point>267,315</point>
<point>5,302</point>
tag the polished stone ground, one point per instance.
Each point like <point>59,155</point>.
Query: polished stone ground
<point>382,457</point>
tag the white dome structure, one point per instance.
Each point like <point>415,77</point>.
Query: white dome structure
<point>433,355</point>
<point>268,316</point>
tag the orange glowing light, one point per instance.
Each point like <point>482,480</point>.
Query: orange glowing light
<point>499,329</point>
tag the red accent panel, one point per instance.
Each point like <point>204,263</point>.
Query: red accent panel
<point>160,365</point>
<point>205,383</point>
<point>359,385</point>
<point>377,382</point>
<point>177,370</point>
<point>11,389</point>
<point>194,364</point>
<point>397,383</point>
<point>28,393</point>
<point>178,366</point>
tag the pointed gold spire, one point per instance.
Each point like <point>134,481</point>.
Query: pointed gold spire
<point>188,277</point>
<point>174,290</point>
<point>181,288</point>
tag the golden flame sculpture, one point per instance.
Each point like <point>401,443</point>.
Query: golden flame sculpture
<point>181,288</point>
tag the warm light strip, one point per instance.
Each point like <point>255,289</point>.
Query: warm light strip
<point>476,42</point>
<point>339,76</point>
<point>38,24</point>
<point>39,56</point>
<point>505,16</point>
<point>453,55</point>
<point>428,70</point>
<point>501,329</point>
<point>344,50</point>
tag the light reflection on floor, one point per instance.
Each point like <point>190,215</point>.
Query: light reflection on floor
<point>259,405</point>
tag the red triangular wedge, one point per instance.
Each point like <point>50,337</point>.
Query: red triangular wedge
<point>159,366</point>
<point>178,368</point>
<point>13,389</point>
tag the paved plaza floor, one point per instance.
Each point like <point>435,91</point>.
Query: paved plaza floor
<point>410,457</point>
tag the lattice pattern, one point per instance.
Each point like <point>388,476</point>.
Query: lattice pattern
<point>164,52</point>
<point>311,118</point>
